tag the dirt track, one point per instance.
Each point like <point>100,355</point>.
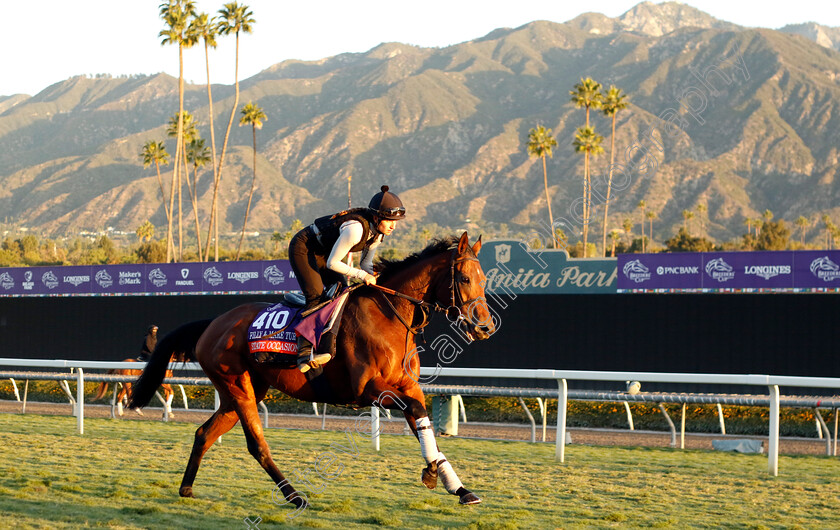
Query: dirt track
<point>787,446</point>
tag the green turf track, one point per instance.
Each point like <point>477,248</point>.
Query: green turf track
<point>125,474</point>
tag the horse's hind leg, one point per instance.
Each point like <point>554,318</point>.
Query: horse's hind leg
<point>219,423</point>
<point>246,408</point>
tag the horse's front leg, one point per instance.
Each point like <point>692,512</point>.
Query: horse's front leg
<point>412,402</point>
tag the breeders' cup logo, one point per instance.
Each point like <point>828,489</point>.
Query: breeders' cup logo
<point>49,280</point>
<point>274,275</point>
<point>636,271</point>
<point>103,279</point>
<point>825,269</point>
<point>502,253</point>
<point>213,276</point>
<point>719,270</point>
<point>157,277</point>
<point>6,281</point>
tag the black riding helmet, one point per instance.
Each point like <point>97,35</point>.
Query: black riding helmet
<point>387,205</point>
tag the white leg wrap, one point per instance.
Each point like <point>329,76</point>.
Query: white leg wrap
<point>428,447</point>
<point>450,480</point>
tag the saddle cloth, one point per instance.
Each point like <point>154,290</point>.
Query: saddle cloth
<point>275,329</point>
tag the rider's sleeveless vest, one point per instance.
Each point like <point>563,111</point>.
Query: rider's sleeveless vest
<point>327,228</point>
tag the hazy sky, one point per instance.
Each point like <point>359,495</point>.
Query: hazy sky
<point>59,38</point>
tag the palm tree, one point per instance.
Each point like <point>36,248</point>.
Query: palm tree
<point>235,18</point>
<point>254,116</point>
<point>748,221</point>
<point>768,216</point>
<point>802,223</point>
<point>587,94</point>
<point>701,209</point>
<point>197,154</point>
<point>175,15</point>
<point>188,133</point>
<point>642,205</point>
<point>613,102</point>
<point>540,142</point>
<point>146,231</point>
<point>627,225</point>
<point>828,229</point>
<point>651,215</point>
<point>207,29</point>
<point>615,235</point>
<point>687,214</point>
<point>588,142</point>
<point>155,153</point>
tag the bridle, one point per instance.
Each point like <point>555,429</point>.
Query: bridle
<point>453,312</point>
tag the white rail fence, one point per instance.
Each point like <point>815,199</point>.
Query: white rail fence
<point>772,382</point>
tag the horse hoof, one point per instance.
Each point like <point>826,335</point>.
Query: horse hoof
<point>186,491</point>
<point>429,477</point>
<point>469,498</point>
<point>299,501</point>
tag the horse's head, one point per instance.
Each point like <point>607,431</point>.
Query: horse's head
<point>465,291</point>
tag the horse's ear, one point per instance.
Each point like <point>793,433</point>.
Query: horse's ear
<point>477,247</point>
<point>463,243</point>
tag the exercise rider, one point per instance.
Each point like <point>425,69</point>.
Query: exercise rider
<point>317,255</point>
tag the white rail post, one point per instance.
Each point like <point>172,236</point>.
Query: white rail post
<point>773,446</point>
<point>720,417</point>
<point>682,428</point>
<point>217,402</point>
<point>374,427</point>
<point>80,399</point>
<point>562,402</point>
<point>629,416</point>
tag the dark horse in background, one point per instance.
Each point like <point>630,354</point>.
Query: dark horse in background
<point>374,363</point>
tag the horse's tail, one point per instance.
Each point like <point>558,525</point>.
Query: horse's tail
<point>100,392</point>
<point>179,343</point>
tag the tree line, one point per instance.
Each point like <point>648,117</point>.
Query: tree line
<point>184,27</point>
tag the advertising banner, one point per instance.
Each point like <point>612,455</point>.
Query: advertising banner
<point>781,271</point>
<point>149,279</point>
<point>511,267</point>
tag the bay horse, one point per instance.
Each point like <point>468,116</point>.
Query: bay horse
<point>374,362</point>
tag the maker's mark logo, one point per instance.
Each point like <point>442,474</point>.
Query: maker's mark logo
<point>825,269</point>
<point>636,271</point>
<point>719,270</point>
<point>213,276</point>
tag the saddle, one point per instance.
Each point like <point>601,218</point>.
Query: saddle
<point>272,336</point>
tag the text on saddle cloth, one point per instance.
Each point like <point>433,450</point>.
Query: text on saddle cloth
<point>275,329</point>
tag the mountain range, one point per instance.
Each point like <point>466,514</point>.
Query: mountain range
<point>738,119</point>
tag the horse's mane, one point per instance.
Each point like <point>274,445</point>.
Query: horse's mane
<point>387,268</point>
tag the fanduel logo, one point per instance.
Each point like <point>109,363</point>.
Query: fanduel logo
<point>825,269</point>
<point>767,271</point>
<point>719,270</point>
<point>663,271</point>
<point>636,271</point>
